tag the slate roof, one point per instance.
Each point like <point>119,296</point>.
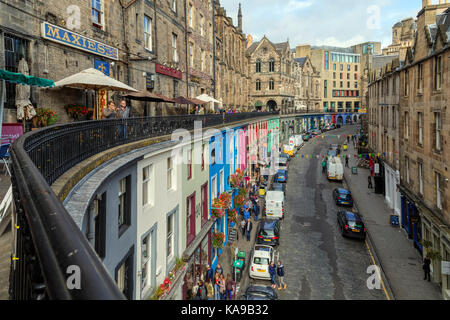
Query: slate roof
<point>252,48</point>
<point>334,49</point>
<point>301,60</point>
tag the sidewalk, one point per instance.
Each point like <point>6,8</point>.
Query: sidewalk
<point>400,261</point>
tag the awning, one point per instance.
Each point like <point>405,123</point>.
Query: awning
<point>25,80</point>
<point>148,96</point>
<point>183,100</point>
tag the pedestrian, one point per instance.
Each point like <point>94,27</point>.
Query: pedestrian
<point>346,161</point>
<point>219,269</point>
<point>209,289</point>
<point>370,182</point>
<point>222,287</point>
<point>123,113</point>
<point>229,287</point>
<point>280,274</point>
<point>202,292</point>
<point>209,274</point>
<point>243,223</point>
<point>324,166</point>
<point>248,229</point>
<point>246,213</point>
<point>348,139</point>
<point>426,268</point>
<point>216,286</point>
<point>110,111</point>
<point>272,273</point>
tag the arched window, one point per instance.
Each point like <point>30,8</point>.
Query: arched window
<point>271,65</point>
<point>271,84</point>
<point>258,85</point>
<point>258,65</point>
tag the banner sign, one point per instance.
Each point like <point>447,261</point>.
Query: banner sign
<point>72,39</point>
<point>169,71</point>
<point>11,131</point>
<point>102,66</point>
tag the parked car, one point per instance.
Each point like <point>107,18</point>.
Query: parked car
<point>332,153</point>
<point>281,176</point>
<point>343,197</point>
<point>351,225</point>
<point>316,132</point>
<point>259,264</point>
<point>285,156</point>
<point>260,292</point>
<point>282,163</point>
<point>274,204</point>
<point>268,232</point>
<point>279,187</point>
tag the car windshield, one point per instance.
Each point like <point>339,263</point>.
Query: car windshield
<point>261,261</point>
<point>332,153</point>
<point>267,232</point>
<point>355,224</point>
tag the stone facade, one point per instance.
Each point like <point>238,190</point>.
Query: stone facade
<point>423,133</point>
<point>232,73</point>
<point>403,33</point>
<point>308,87</point>
<point>272,75</point>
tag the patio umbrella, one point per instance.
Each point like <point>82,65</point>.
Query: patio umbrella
<point>93,79</point>
<point>206,98</point>
<point>25,110</point>
<point>148,96</point>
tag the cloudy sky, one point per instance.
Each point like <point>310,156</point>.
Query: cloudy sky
<point>322,22</point>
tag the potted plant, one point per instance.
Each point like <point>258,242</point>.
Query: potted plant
<point>76,112</point>
<point>218,238</point>
<point>232,217</point>
<point>44,117</point>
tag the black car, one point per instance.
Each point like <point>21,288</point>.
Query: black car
<point>260,292</point>
<point>279,187</point>
<point>269,232</point>
<point>351,225</point>
<point>343,197</point>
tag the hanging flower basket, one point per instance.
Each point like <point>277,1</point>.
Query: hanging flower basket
<point>232,216</point>
<point>236,180</point>
<point>239,201</point>
<point>225,200</point>
<point>216,209</point>
<point>218,238</point>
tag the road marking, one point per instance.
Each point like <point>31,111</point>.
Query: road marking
<point>379,275</point>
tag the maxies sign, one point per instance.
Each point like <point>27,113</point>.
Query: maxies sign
<point>69,38</point>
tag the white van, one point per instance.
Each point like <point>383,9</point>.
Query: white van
<point>282,164</point>
<point>275,204</point>
<point>335,169</point>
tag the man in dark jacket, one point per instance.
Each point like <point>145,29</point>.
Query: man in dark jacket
<point>209,274</point>
<point>202,292</point>
<point>280,274</point>
<point>273,273</point>
<point>426,268</point>
<point>248,229</point>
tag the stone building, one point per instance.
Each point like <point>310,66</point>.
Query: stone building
<point>383,122</point>
<point>232,79</point>
<point>272,75</point>
<point>403,33</point>
<point>308,88</point>
<point>424,135</point>
<point>141,43</point>
<point>200,47</point>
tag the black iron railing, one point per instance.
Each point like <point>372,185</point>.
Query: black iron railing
<point>50,247</point>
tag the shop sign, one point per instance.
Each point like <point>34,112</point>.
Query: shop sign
<point>446,267</point>
<point>168,71</point>
<point>72,39</point>
<point>102,66</point>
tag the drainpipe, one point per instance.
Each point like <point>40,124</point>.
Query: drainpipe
<point>214,46</point>
<point>125,37</point>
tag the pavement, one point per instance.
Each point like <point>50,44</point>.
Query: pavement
<point>400,262</point>
<point>5,243</point>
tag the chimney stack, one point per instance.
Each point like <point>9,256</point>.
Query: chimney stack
<point>240,19</point>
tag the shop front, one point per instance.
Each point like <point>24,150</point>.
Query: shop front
<point>411,220</point>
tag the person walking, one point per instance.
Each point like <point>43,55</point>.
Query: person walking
<point>229,287</point>
<point>273,273</point>
<point>246,213</point>
<point>222,287</point>
<point>280,274</point>
<point>369,179</point>
<point>217,286</point>
<point>243,224</point>
<point>248,229</point>
<point>346,161</point>
<point>324,166</point>
<point>209,289</point>
<point>255,207</point>
<point>219,269</point>
<point>209,274</point>
<point>202,292</point>
<point>426,268</point>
